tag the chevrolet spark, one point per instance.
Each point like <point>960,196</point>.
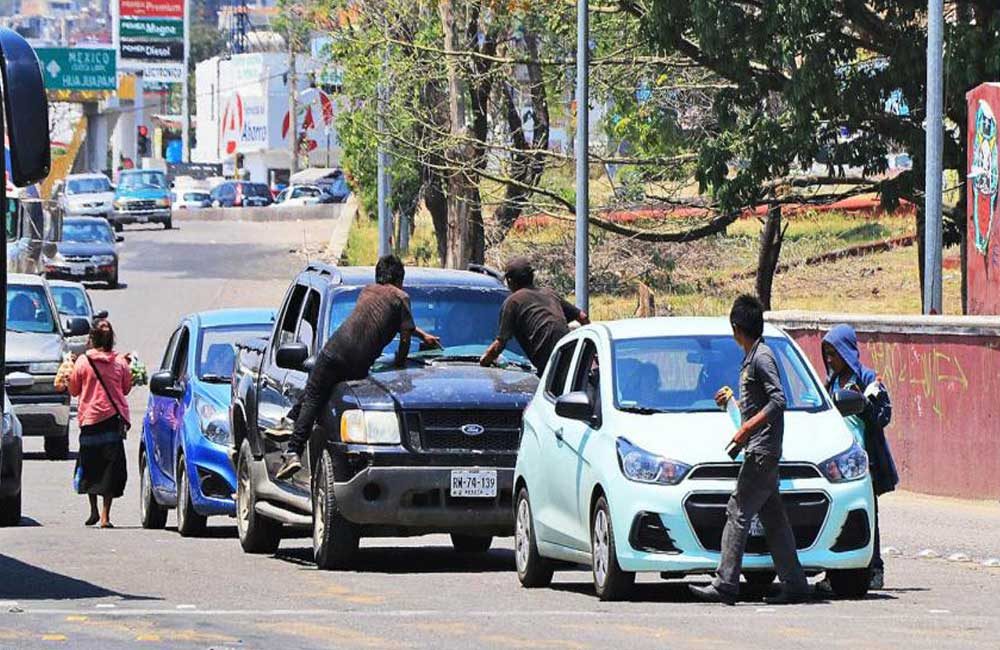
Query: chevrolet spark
<point>622,463</point>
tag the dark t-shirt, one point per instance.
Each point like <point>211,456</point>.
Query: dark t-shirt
<point>760,390</point>
<point>382,311</point>
<point>537,318</point>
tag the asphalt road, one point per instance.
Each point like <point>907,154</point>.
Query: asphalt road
<point>62,584</point>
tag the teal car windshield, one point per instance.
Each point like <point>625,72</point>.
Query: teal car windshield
<point>683,373</point>
<point>142,181</point>
<point>466,321</point>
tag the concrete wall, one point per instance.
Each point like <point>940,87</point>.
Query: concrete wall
<point>327,211</point>
<point>943,375</point>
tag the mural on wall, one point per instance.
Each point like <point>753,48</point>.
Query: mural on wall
<point>983,187</point>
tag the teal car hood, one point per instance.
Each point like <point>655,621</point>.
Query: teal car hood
<point>141,193</point>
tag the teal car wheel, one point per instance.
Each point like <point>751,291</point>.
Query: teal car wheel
<point>610,581</point>
<point>532,569</point>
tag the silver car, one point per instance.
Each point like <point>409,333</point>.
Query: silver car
<point>36,344</point>
<point>84,195</point>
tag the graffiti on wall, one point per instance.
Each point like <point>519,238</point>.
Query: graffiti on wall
<point>982,193</point>
<point>934,376</point>
<point>984,175</point>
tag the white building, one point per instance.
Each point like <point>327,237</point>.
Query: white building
<point>242,115</point>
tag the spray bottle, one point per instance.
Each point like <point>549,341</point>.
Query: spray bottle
<point>733,449</point>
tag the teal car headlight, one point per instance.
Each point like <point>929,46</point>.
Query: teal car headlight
<point>214,422</point>
<point>642,466</point>
<point>849,465</point>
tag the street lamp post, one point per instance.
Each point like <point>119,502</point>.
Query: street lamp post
<point>933,240</point>
<point>582,155</point>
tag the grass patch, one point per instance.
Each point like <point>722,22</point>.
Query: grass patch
<point>362,243</point>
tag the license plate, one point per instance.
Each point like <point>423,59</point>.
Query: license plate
<point>142,219</point>
<point>77,269</point>
<point>756,527</point>
<point>480,483</point>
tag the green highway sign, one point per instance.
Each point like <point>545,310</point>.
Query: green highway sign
<point>79,68</point>
<point>152,28</point>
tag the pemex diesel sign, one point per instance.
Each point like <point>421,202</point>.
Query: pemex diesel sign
<point>151,38</point>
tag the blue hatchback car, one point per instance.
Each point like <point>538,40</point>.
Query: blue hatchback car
<point>184,453</point>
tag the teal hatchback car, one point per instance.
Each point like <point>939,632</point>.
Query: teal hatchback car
<point>622,463</point>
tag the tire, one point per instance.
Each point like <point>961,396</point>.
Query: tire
<point>189,522</point>
<point>610,582</point>
<point>257,534</point>
<point>168,224</point>
<point>335,540</point>
<point>57,447</point>
<point>113,279</point>
<point>759,579</point>
<point>532,569</point>
<point>10,510</point>
<point>152,515</point>
<point>118,227</point>
<point>850,583</point>
<point>471,543</point>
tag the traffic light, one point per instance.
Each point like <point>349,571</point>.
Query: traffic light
<point>142,140</point>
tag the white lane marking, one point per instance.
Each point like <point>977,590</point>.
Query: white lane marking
<point>765,610</point>
<point>928,553</point>
<point>105,606</point>
<point>959,557</point>
<point>185,607</point>
<point>939,611</point>
<point>8,603</point>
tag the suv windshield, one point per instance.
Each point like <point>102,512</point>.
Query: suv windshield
<point>683,373</point>
<point>465,320</point>
<point>28,310</point>
<point>78,231</point>
<point>71,301</point>
<point>217,352</point>
<point>87,186</point>
<point>142,181</point>
<point>256,189</point>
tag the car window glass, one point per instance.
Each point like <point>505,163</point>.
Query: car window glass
<point>307,324</point>
<point>71,301</point>
<point>555,385</point>
<point>179,366</point>
<point>587,374</point>
<point>29,310</point>
<point>168,353</point>
<point>290,317</point>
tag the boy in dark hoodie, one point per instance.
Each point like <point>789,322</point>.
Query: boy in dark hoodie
<point>846,372</point>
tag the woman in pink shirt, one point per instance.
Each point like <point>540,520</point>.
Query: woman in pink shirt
<point>101,379</point>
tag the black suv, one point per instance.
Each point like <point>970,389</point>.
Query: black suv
<point>429,448</point>
<point>240,194</point>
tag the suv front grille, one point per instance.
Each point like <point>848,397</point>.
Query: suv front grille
<point>707,513</point>
<point>442,430</point>
<point>140,205</point>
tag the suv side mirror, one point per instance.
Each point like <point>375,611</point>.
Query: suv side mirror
<point>849,402</point>
<point>292,356</point>
<point>575,406</point>
<point>77,326</point>
<point>163,384</point>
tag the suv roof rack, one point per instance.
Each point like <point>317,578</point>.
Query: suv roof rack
<point>487,270</point>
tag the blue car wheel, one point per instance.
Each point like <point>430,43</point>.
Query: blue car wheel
<point>189,522</point>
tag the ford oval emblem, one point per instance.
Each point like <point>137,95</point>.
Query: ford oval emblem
<point>473,429</point>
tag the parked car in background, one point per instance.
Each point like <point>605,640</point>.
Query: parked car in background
<point>87,252</point>
<point>11,456</point>
<point>184,452</point>
<point>32,230</point>
<point>73,301</point>
<point>84,195</point>
<point>429,448</point>
<point>298,195</point>
<point>622,463</point>
<point>192,200</point>
<point>240,194</point>
<point>331,180</point>
<point>142,196</point>
<point>36,343</point>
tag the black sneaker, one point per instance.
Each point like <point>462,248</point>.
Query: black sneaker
<point>787,597</point>
<point>878,580</point>
<point>711,594</point>
<point>292,465</point>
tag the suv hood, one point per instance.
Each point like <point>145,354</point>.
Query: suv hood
<point>446,385</point>
<point>694,438</point>
<point>30,347</point>
<point>141,193</point>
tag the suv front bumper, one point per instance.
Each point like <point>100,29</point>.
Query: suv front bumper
<point>42,415</point>
<point>140,216</point>
<point>418,498</point>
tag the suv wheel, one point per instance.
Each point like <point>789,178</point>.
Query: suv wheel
<point>610,582</point>
<point>57,447</point>
<point>532,569</point>
<point>850,583</point>
<point>151,514</point>
<point>189,522</point>
<point>257,534</point>
<point>471,543</point>
<point>335,540</point>
<point>10,510</point>
<point>113,278</point>
<point>168,224</point>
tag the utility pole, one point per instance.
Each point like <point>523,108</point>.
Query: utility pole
<point>582,156</point>
<point>185,109</point>
<point>293,123</point>
<point>382,180</point>
<point>933,240</point>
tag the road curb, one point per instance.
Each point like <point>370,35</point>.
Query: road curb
<point>261,215</point>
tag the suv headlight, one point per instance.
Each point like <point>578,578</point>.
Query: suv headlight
<point>118,204</point>
<point>163,203</point>
<point>44,368</point>
<point>103,259</point>
<point>214,422</point>
<point>639,465</point>
<point>370,427</point>
<point>849,465</point>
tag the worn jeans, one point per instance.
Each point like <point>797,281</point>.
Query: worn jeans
<point>757,494</point>
<point>327,373</point>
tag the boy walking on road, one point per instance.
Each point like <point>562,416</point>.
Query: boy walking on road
<point>762,406</point>
<point>382,312</point>
<point>536,318</point>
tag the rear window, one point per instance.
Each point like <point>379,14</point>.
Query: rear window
<point>256,189</point>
